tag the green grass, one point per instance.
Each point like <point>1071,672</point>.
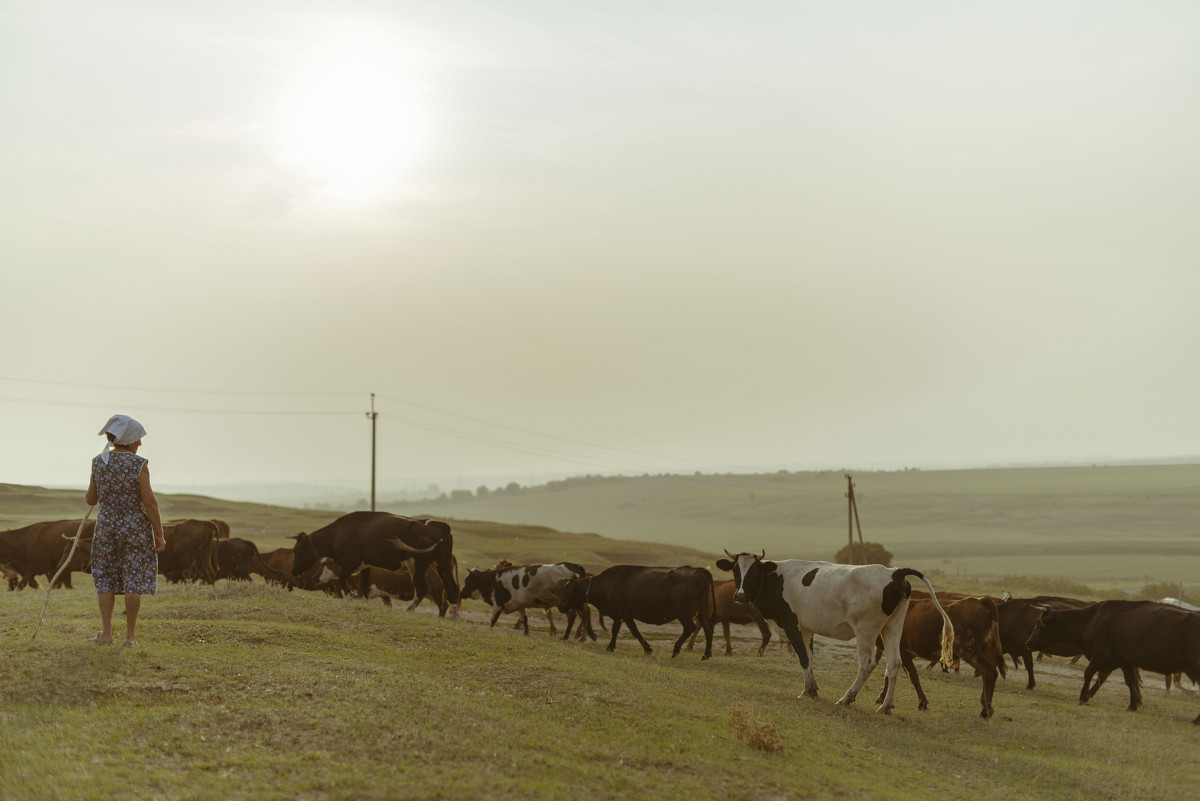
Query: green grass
<point>243,691</point>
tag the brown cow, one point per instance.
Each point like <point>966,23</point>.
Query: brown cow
<point>729,611</point>
<point>190,554</point>
<point>40,548</point>
<point>222,529</point>
<point>976,641</point>
<point>384,584</point>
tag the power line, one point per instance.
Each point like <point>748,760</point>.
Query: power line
<point>43,402</point>
<point>184,391</point>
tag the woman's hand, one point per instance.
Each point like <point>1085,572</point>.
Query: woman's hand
<point>160,543</point>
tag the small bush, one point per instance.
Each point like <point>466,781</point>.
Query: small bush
<point>760,734</point>
<point>866,553</point>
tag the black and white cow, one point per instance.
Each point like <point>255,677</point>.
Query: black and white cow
<point>860,602</point>
<point>520,587</point>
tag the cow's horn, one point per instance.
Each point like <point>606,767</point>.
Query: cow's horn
<point>762,555</point>
<point>731,556</point>
<point>400,544</point>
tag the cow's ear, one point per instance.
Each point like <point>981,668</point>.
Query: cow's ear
<point>768,567</point>
<point>725,564</point>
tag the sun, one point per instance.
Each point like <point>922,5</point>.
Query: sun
<point>353,124</point>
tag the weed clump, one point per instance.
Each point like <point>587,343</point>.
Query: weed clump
<point>760,734</point>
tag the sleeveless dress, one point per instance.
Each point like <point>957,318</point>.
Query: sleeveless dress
<point>123,557</point>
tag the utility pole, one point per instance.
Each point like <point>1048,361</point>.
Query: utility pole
<point>373,415</point>
<point>852,522</point>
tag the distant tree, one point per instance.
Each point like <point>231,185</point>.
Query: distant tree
<point>512,486</point>
<point>361,503</point>
<point>482,492</point>
<point>461,495</point>
<point>868,553</point>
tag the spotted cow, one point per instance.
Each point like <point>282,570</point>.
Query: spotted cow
<point>520,587</point>
<point>843,602</point>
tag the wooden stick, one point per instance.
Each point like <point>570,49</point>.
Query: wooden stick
<point>61,568</point>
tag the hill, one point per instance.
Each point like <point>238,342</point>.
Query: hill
<point>476,543</point>
<point>1110,527</point>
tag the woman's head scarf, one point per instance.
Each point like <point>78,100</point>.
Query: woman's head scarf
<point>126,430</point>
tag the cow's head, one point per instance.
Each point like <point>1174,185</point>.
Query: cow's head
<point>573,597</point>
<point>478,584</point>
<point>749,571</point>
<point>305,555</point>
<point>1047,632</point>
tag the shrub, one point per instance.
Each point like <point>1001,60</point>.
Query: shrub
<point>866,553</point>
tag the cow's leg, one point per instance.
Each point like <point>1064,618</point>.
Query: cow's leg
<point>765,630</point>
<point>1135,691</point>
<point>525,620</point>
<point>728,644</point>
<point>692,639</point>
<point>1027,656</point>
<point>1101,677</point>
<point>496,610</point>
<point>989,687</point>
<point>612,644</point>
<point>445,571</point>
<point>570,624</point>
<point>795,638</point>
<point>585,628</point>
<point>890,636</point>
<point>633,629</point>
<point>1088,673</point>
<point>550,619</point>
<point>689,630</point>
<point>416,570</point>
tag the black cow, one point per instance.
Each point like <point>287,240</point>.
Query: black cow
<point>656,595</point>
<point>235,557</point>
<point>1126,636</point>
<point>1018,619</point>
<point>382,539</point>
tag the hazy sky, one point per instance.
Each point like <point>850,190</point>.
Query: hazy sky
<point>596,237</point>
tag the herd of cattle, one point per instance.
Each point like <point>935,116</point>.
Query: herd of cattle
<point>381,555</point>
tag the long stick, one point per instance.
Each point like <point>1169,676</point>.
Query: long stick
<point>61,568</point>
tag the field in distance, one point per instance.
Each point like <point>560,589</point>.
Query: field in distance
<point>1111,528</point>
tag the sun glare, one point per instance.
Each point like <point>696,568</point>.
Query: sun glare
<point>353,125</point>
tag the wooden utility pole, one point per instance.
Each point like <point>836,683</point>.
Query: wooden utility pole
<point>373,415</point>
<point>852,522</point>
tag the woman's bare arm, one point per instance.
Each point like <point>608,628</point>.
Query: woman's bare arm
<point>151,504</point>
<point>92,498</point>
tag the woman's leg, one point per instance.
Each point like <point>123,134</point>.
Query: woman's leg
<point>106,600</point>
<point>133,603</point>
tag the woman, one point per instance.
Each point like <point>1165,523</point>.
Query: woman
<point>129,533</point>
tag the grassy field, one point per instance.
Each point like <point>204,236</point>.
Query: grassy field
<point>1112,528</point>
<point>243,691</point>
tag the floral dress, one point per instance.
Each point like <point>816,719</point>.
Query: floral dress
<point>123,557</point>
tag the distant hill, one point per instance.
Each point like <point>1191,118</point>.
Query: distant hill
<point>1110,526</point>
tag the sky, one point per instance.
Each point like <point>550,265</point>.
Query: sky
<point>596,238</point>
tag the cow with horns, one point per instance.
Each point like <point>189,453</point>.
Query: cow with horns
<point>860,602</point>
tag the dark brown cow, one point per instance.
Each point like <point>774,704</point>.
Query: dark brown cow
<point>279,558</point>
<point>190,554</point>
<point>655,595</point>
<point>384,584</point>
<point>39,549</point>
<point>382,539</point>
<point>1126,636</point>
<point>222,529</point>
<point>235,558</point>
<point>15,580</point>
<point>976,641</point>
<point>1018,619</point>
<point>729,611</point>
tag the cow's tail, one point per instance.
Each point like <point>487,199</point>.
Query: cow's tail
<point>947,658</point>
